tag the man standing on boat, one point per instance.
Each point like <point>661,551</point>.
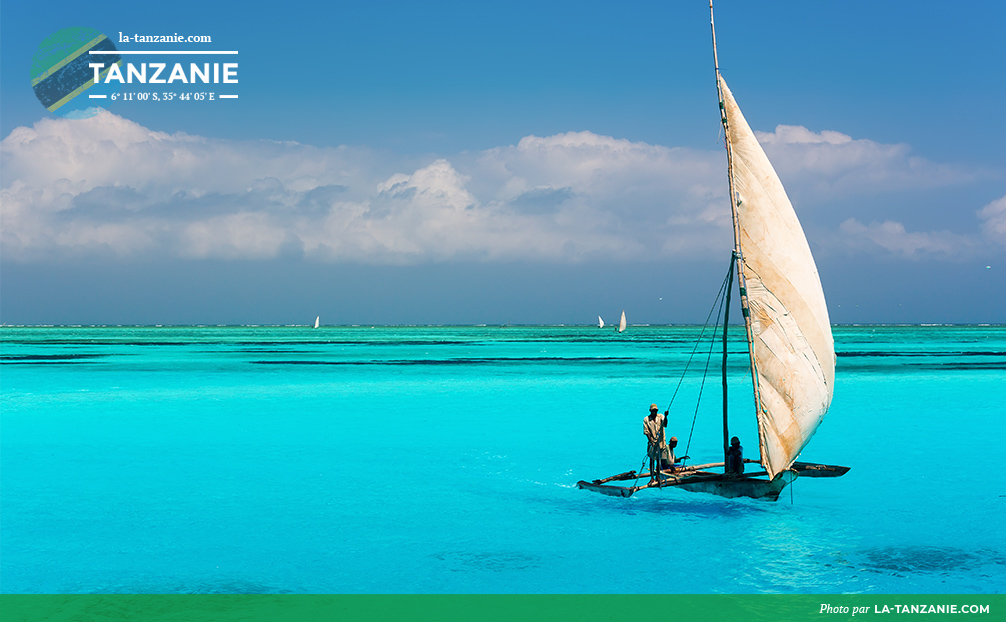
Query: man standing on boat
<point>656,447</point>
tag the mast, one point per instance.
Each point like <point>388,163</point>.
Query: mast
<point>737,257</point>
<point>726,322</point>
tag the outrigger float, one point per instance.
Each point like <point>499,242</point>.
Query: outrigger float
<point>788,331</point>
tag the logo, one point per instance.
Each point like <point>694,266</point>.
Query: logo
<point>62,78</point>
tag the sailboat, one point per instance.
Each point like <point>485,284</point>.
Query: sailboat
<point>317,321</point>
<point>788,331</point>
<point>600,322</point>
<point>621,323</point>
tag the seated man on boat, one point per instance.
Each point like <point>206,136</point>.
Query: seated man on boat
<point>656,446</point>
<point>669,461</point>
<point>735,459</point>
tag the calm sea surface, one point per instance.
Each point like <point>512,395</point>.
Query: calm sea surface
<point>444,459</point>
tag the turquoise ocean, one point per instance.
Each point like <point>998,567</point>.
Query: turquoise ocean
<point>444,460</point>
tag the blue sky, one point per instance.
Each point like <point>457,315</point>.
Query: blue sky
<point>516,162</point>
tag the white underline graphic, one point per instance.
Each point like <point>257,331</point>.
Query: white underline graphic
<point>98,96</point>
<point>157,52</point>
<point>227,96</point>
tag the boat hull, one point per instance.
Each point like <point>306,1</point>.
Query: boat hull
<point>711,483</point>
<point>743,487</point>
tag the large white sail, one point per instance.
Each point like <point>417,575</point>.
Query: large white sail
<point>621,323</point>
<point>792,349</point>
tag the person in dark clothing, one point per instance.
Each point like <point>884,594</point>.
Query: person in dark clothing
<point>735,458</point>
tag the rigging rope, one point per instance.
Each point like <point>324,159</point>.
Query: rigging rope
<point>699,340</point>
<point>640,471</point>
<point>718,307</point>
<point>705,374</point>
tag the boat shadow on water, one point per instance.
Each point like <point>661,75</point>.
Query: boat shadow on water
<point>673,502</point>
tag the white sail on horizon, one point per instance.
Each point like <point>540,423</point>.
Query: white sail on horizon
<point>317,321</point>
<point>600,322</point>
<point>621,323</point>
<point>792,348</point>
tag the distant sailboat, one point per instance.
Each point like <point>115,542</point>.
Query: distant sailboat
<point>621,323</point>
<point>317,321</point>
<point>600,322</point>
<point>789,338</point>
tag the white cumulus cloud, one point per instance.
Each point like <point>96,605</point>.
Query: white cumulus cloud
<point>833,163</point>
<point>893,237</point>
<point>994,216</point>
<point>107,185</point>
